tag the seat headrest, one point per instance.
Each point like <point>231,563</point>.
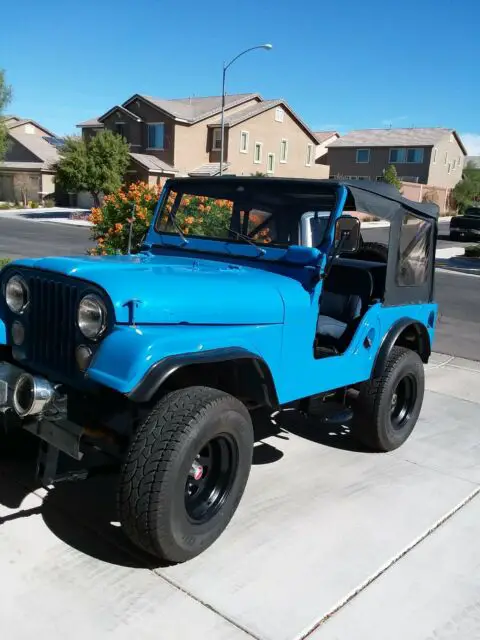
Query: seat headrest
<point>349,280</point>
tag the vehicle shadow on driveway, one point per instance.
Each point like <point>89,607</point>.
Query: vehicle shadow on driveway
<point>82,513</point>
<point>292,421</point>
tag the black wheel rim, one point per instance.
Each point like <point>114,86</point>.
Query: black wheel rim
<point>403,401</point>
<point>206,493</point>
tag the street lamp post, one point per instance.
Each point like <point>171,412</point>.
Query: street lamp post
<point>225,67</point>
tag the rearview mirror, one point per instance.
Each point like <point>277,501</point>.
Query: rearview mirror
<point>347,234</point>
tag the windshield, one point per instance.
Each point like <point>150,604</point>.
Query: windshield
<point>473,211</point>
<point>244,218</point>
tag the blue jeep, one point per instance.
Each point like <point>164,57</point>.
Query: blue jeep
<point>156,360</point>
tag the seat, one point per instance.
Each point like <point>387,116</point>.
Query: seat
<point>345,298</point>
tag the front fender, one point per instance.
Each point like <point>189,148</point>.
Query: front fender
<point>127,355</point>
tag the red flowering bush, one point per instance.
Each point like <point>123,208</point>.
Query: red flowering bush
<point>200,215</point>
<point>111,222</point>
<point>134,205</point>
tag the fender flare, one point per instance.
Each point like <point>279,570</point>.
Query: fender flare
<point>391,337</point>
<point>164,368</point>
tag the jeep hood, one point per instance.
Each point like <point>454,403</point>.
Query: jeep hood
<point>178,289</point>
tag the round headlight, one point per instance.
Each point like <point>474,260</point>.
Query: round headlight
<point>92,316</point>
<point>16,294</point>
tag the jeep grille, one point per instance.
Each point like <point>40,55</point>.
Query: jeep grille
<point>51,344</point>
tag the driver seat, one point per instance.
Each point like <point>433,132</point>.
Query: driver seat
<point>346,294</point>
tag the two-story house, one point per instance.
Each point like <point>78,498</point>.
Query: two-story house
<point>179,137</point>
<point>27,172</point>
<point>432,156</point>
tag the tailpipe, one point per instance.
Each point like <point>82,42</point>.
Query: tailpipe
<point>31,395</point>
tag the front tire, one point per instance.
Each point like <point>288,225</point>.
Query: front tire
<point>388,407</point>
<point>186,472</point>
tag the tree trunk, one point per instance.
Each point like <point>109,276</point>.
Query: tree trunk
<point>96,198</point>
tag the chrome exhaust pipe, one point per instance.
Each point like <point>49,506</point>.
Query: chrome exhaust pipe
<point>31,395</point>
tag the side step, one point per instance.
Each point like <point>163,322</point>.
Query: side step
<point>331,413</point>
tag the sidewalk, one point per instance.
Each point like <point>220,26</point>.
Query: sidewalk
<point>329,543</point>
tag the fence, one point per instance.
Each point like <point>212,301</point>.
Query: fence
<point>427,192</point>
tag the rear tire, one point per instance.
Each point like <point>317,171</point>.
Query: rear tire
<point>163,508</point>
<point>388,407</point>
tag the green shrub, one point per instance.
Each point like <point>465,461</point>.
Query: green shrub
<point>473,251</point>
<point>3,262</point>
<point>5,206</point>
<point>49,203</point>
<point>33,205</point>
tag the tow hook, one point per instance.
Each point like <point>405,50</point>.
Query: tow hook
<point>196,470</point>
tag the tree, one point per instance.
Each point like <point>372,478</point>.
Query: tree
<point>390,176</point>
<point>5,97</point>
<point>467,191</point>
<point>97,165</point>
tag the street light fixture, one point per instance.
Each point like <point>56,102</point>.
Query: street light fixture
<point>225,67</point>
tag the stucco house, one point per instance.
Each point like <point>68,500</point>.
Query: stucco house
<point>433,156</point>
<point>27,169</point>
<point>179,137</point>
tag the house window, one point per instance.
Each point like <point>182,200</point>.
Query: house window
<point>308,159</point>
<point>156,135</point>
<point>435,156</point>
<point>243,141</point>
<point>414,156</point>
<point>270,163</point>
<point>279,114</point>
<point>283,150</point>
<point>396,156</point>
<point>363,156</point>
<point>257,154</point>
<point>120,129</point>
<point>415,236</point>
<point>217,140</point>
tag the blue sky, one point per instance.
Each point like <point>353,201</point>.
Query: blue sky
<point>341,65</point>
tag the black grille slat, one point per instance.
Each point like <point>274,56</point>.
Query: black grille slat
<point>52,324</point>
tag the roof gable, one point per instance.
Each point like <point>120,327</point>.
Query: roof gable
<point>192,110</point>
<point>118,107</point>
<point>323,136</point>
<point>20,122</point>
<point>232,120</point>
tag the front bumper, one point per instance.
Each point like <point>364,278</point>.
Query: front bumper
<point>50,424</point>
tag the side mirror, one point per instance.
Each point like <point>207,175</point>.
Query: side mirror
<point>347,234</point>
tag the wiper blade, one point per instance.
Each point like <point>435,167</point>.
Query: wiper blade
<point>261,252</point>
<point>172,219</point>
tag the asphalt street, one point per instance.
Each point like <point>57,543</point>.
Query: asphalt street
<point>458,296</point>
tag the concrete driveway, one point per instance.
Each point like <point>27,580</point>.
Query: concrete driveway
<point>329,542</point>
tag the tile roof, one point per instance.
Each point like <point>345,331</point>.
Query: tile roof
<point>93,122</point>
<point>45,152</point>
<point>209,169</point>
<point>152,163</point>
<point>249,112</point>
<point>391,137</point>
<point>322,136</point>
<point>195,108</point>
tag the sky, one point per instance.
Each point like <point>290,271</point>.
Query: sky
<point>340,65</point>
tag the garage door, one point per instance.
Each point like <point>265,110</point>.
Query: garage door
<point>6,187</point>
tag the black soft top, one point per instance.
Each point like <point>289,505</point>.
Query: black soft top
<point>375,198</point>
